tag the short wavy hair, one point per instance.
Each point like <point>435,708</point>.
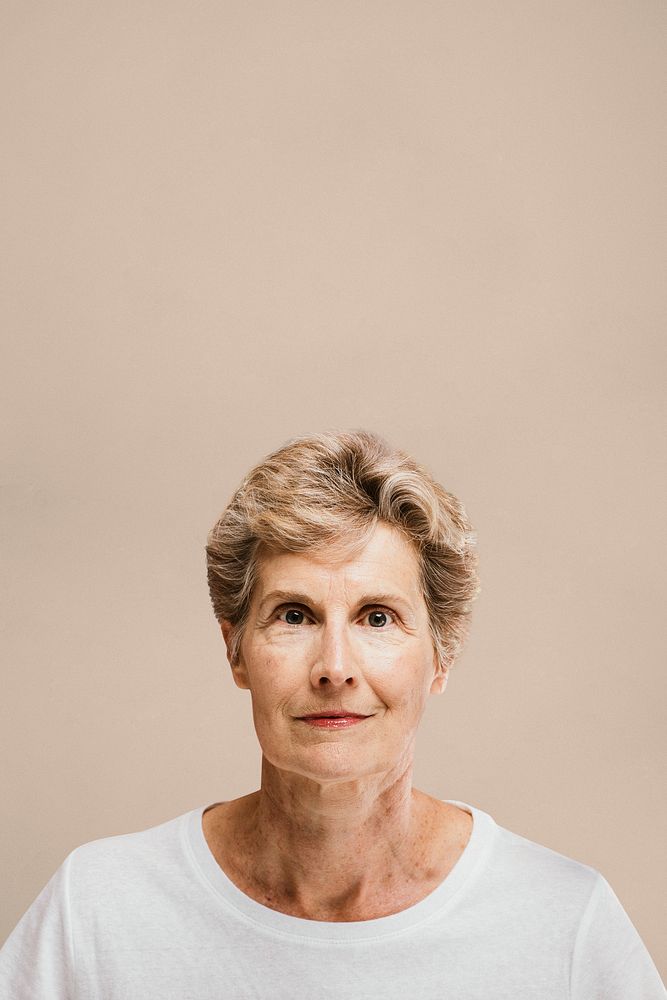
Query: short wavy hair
<point>330,489</point>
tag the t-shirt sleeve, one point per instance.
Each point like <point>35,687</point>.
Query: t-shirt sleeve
<point>610,960</point>
<point>36,961</point>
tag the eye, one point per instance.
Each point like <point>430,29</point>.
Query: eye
<point>378,617</point>
<point>293,616</point>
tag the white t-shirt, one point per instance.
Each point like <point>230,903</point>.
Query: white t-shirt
<point>152,916</point>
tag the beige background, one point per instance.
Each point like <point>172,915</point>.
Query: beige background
<point>229,223</point>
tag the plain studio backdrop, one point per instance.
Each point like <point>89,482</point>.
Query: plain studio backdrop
<point>227,224</point>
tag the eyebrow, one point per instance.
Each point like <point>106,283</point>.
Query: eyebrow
<point>371,598</point>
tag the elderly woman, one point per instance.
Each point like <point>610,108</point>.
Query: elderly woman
<point>342,577</point>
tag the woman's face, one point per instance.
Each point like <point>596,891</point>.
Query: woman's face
<point>339,659</point>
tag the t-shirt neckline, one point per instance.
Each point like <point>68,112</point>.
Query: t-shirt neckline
<point>471,860</point>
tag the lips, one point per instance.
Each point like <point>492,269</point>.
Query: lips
<point>334,715</point>
<point>333,720</point>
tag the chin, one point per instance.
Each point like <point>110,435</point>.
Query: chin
<point>323,764</point>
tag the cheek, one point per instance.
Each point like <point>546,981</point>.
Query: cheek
<point>417,671</point>
<point>272,683</point>
<point>403,686</point>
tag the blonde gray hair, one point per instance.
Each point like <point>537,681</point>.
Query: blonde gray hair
<point>331,489</point>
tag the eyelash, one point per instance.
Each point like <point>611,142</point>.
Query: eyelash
<point>295,607</point>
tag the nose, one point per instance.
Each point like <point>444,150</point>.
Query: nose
<point>334,665</point>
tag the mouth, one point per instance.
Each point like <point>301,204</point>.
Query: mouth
<point>333,720</point>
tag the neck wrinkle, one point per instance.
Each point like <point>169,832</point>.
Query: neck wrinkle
<point>332,857</point>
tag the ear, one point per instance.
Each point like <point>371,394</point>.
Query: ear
<point>441,676</point>
<point>238,669</point>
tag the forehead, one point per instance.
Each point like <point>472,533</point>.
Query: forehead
<point>387,561</point>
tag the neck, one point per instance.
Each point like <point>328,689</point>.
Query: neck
<point>337,850</point>
<point>325,817</point>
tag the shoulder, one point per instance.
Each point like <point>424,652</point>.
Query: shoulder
<point>89,897</point>
<point>137,843</point>
<point>514,859</point>
<point>111,865</point>
<point>538,880</point>
<point>544,895</point>
<point>520,875</point>
<point>542,864</point>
